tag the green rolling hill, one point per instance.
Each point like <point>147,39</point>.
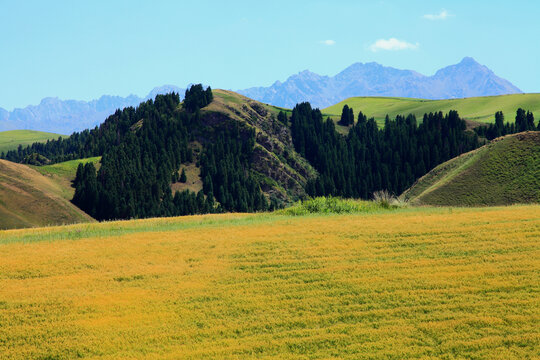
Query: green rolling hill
<point>503,172</point>
<point>10,140</point>
<point>478,109</point>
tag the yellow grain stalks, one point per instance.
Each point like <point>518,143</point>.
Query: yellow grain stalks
<point>410,284</point>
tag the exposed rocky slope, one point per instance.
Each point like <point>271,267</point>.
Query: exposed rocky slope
<point>282,172</point>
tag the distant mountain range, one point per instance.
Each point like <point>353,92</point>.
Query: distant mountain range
<point>67,116</point>
<point>466,79</point>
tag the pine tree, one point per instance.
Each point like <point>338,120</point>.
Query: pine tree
<point>530,121</point>
<point>521,121</point>
<point>499,123</point>
<point>183,177</point>
<point>209,95</point>
<point>347,116</point>
<point>196,98</point>
<point>282,117</point>
<point>78,175</point>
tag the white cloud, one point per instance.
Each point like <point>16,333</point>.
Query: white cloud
<point>328,42</point>
<point>440,16</point>
<point>392,44</point>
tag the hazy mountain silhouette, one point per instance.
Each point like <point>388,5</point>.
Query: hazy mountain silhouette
<point>466,79</point>
<point>66,116</point>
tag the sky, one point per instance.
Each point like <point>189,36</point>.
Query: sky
<point>84,49</point>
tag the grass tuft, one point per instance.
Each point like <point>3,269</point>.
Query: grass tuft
<point>333,205</point>
<point>387,200</point>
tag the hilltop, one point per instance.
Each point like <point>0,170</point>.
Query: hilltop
<point>477,109</point>
<point>503,172</point>
<point>465,79</point>
<point>10,140</point>
<point>29,199</point>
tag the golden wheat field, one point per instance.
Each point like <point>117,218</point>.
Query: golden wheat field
<point>405,284</point>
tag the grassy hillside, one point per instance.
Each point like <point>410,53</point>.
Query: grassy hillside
<point>64,173</point>
<point>506,171</point>
<point>411,284</point>
<point>10,140</point>
<point>29,199</point>
<point>479,109</point>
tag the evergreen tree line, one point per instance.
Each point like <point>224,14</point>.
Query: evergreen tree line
<point>95,142</point>
<point>370,159</point>
<point>142,150</point>
<point>524,122</point>
<point>135,175</point>
<point>197,98</point>
<point>225,170</point>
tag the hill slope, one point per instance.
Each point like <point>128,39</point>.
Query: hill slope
<point>480,109</point>
<point>282,172</point>
<point>466,79</point>
<point>64,173</point>
<point>506,171</point>
<point>10,140</point>
<point>29,199</point>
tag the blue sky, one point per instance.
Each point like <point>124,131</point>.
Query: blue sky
<point>84,49</point>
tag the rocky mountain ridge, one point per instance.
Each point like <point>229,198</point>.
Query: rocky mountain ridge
<point>466,79</point>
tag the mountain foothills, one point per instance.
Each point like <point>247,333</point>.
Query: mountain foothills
<point>66,116</point>
<point>218,151</point>
<point>466,79</point>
